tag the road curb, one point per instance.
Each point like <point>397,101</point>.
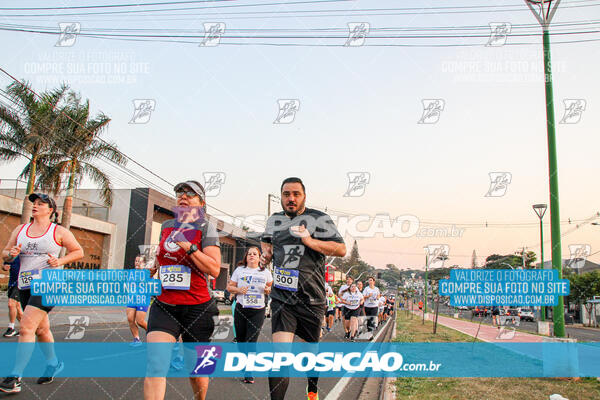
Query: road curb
<point>389,384</point>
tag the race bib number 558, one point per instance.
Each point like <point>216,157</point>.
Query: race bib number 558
<point>175,277</point>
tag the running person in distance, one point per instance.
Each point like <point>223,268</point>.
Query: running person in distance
<point>250,282</point>
<point>343,289</point>
<point>353,300</point>
<point>136,315</point>
<point>14,304</point>
<point>371,305</point>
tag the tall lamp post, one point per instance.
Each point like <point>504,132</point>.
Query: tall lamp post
<point>540,210</point>
<point>544,11</point>
<point>426,285</point>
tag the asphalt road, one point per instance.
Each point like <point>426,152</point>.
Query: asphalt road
<point>177,388</point>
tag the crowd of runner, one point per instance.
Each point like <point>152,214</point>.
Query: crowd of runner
<point>302,303</point>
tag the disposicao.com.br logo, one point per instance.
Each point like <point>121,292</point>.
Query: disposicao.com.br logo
<point>371,361</point>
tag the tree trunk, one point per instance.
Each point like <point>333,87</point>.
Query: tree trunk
<point>437,307</point>
<point>68,207</point>
<point>27,205</point>
<point>589,311</point>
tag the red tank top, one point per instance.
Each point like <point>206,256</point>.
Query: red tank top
<point>169,253</point>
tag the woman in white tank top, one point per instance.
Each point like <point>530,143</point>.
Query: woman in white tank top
<point>38,246</point>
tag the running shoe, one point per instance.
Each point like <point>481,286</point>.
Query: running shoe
<point>10,332</point>
<point>249,380</point>
<point>50,373</point>
<point>11,384</point>
<point>347,335</point>
<point>311,395</point>
<point>136,342</point>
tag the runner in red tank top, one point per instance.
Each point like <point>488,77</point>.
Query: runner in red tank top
<point>188,252</point>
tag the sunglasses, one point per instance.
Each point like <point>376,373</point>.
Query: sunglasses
<point>46,199</point>
<point>188,193</point>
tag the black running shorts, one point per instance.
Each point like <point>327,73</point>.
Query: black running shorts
<point>302,319</point>
<point>195,323</point>
<point>35,301</point>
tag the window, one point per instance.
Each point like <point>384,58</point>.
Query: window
<point>226,254</point>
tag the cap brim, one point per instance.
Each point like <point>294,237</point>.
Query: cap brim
<point>180,185</point>
<point>32,197</point>
<point>191,185</point>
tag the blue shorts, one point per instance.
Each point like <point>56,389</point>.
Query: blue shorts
<point>139,308</point>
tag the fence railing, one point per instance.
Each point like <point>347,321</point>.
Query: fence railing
<point>15,188</point>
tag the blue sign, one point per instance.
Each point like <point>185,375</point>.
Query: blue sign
<point>503,287</point>
<point>107,287</point>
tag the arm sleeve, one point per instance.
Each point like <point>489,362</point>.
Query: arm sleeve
<point>267,235</point>
<point>326,230</point>
<point>269,276</point>
<point>236,275</point>
<point>210,236</point>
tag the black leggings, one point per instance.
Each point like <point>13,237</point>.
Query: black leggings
<point>248,323</point>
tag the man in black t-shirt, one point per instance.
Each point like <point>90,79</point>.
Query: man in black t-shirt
<point>297,240</point>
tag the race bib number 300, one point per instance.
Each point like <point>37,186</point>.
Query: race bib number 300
<point>26,277</point>
<point>286,279</point>
<point>175,277</point>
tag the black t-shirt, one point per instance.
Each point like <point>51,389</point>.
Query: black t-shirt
<point>291,254</point>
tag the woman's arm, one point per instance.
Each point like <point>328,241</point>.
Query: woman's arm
<point>232,287</point>
<point>268,287</point>
<point>207,260</point>
<point>11,250</point>
<point>74,251</point>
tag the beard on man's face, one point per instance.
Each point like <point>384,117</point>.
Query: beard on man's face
<point>297,207</point>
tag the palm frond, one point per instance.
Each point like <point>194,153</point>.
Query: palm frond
<point>101,179</point>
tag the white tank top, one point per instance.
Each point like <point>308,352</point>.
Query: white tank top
<point>34,250</point>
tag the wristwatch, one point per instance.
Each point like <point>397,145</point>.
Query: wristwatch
<point>193,249</point>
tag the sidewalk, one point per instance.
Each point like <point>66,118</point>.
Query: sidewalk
<point>484,332</point>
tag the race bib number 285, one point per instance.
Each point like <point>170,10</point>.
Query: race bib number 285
<point>175,277</point>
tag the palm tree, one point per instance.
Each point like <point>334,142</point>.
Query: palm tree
<point>27,129</point>
<point>77,145</point>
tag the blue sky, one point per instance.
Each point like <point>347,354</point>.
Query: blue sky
<point>359,108</point>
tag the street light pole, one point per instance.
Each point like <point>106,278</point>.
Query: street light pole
<point>544,16</point>
<point>269,204</point>
<point>540,210</point>
<point>426,286</point>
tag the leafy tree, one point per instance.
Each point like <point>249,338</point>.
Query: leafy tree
<point>497,261</point>
<point>583,288</point>
<point>27,131</point>
<point>77,146</point>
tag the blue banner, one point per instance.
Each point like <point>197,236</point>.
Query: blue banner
<point>107,287</point>
<point>503,287</point>
<point>85,359</point>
